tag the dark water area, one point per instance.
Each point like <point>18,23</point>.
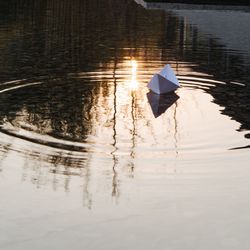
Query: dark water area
<point>42,40</point>
<point>89,155</point>
<point>209,2</point>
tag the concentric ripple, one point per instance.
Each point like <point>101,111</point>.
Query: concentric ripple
<point>99,112</point>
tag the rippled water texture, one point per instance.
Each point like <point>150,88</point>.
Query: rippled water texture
<point>90,159</point>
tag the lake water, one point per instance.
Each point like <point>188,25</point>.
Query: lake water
<point>89,159</point>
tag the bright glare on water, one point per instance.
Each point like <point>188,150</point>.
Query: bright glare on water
<point>90,159</point>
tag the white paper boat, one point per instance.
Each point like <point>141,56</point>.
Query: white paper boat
<point>164,82</point>
<point>160,103</point>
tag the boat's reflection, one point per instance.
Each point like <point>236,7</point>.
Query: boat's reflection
<point>160,103</point>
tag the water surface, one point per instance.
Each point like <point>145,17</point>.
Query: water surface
<point>90,159</point>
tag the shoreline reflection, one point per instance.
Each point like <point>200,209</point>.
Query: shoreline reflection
<point>93,96</point>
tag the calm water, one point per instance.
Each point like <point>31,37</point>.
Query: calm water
<point>89,159</point>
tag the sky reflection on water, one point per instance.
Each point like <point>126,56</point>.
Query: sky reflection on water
<point>89,155</point>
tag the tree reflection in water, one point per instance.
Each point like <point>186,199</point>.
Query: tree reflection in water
<point>82,50</point>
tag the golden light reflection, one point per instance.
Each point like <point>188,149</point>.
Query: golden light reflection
<point>133,83</point>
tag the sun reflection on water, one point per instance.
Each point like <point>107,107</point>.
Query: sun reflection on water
<point>133,83</point>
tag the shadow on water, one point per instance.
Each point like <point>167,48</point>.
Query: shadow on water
<point>79,50</point>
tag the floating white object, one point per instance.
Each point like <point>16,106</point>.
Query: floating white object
<point>164,82</point>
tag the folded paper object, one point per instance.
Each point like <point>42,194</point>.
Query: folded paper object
<point>164,82</point>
